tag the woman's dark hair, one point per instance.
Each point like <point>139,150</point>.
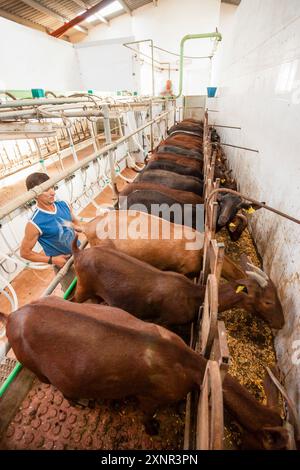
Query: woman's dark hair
<point>35,179</point>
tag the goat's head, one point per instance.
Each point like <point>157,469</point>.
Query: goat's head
<point>259,295</point>
<point>267,438</point>
<point>229,205</point>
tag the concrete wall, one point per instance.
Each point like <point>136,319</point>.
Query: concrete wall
<point>31,59</point>
<point>166,24</point>
<point>259,91</point>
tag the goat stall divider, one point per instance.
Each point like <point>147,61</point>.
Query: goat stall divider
<point>20,201</point>
<point>204,424</point>
<point>47,292</point>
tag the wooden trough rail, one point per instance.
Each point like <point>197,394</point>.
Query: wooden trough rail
<point>205,427</point>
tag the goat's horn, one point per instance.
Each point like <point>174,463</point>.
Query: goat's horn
<point>258,271</point>
<point>258,278</point>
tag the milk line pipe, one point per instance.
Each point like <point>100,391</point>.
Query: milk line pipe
<point>148,57</point>
<point>152,59</point>
<point>188,37</point>
<point>178,55</point>
<point>247,198</point>
<point>39,101</point>
<point>21,200</point>
<point>38,113</point>
<point>73,112</point>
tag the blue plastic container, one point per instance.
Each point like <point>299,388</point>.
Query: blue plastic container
<point>38,93</point>
<point>211,91</point>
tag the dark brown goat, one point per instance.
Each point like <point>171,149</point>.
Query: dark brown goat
<point>177,150</point>
<point>88,351</point>
<point>184,141</point>
<point>189,162</point>
<point>166,298</point>
<point>184,197</point>
<point>172,180</point>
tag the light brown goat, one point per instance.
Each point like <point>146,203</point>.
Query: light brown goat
<point>176,248</point>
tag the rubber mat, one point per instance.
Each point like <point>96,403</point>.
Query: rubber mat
<point>46,420</point>
<point>6,367</point>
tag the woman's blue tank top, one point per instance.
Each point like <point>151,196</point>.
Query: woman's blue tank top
<point>55,238</point>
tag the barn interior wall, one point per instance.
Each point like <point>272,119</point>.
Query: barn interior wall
<point>259,91</point>
<point>32,59</point>
<point>166,24</point>
<point>106,65</point>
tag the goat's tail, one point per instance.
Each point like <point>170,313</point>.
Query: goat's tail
<point>75,248</point>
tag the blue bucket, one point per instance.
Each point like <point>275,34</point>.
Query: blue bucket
<point>211,91</point>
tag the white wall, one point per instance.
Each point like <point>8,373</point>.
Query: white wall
<point>32,59</point>
<point>260,92</point>
<point>107,65</point>
<point>166,24</point>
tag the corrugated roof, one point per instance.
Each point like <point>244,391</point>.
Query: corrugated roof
<point>57,11</point>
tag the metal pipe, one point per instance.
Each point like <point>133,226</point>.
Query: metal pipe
<point>37,113</point>
<point>111,152</point>
<point>258,203</point>
<point>218,37</point>
<point>78,19</point>
<point>152,58</point>
<point>238,147</point>
<point>227,127</point>
<point>39,101</point>
<point>21,200</point>
<point>74,154</point>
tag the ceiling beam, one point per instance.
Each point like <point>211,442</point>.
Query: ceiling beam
<point>47,11</point>
<point>125,6</point>
<point>78,19</point>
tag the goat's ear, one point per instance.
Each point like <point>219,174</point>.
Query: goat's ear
<point>275,438</point>
<point>250,208</point>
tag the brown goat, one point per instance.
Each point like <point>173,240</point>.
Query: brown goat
<point>167,246</point>
<point>166,298</point>
<point>196,164</point>
<point>88,351</point>
<point>185,197</point>
<point>187,142</point>
<point>173,248</point>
